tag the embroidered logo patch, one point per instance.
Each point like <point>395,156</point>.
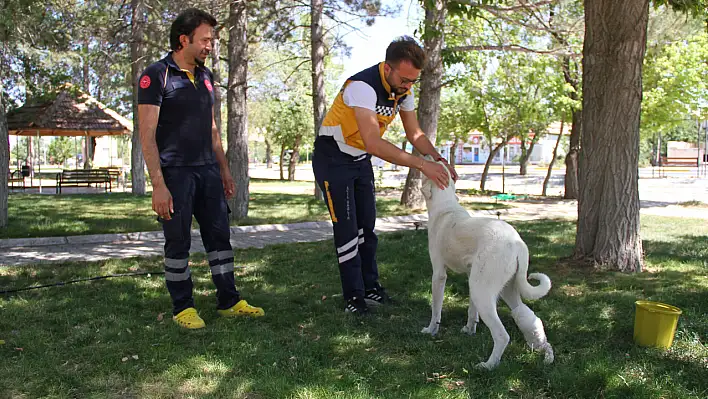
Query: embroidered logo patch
<point>145,82</point>
<point>207,83</point>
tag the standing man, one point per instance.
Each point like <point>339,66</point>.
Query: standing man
<point>188,168</point>
<point>351,132</point>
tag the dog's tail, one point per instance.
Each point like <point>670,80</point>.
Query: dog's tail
<point>527,290</point>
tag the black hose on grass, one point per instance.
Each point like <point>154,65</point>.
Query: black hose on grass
<point>62,283</point>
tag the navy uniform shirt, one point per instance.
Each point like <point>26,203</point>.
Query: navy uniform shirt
<point>183,132</point>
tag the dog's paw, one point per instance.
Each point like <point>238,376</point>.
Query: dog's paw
<point>470,330</point>
<point>548,356</point>
<point>430,330</point>
<point>487,365</point>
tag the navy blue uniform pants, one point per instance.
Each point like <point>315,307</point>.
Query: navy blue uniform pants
<point>198,191</point>
<point>348,186</point>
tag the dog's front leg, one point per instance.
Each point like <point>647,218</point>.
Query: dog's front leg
<point>439,279</point>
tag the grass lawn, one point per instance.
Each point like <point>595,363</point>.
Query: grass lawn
<point>32,215</point>
<point>113,338</point>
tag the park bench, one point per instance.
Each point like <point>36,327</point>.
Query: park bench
<point>80,177</point>
<point>675,161</point>
<point>16,177</point>
<point>114,173</point>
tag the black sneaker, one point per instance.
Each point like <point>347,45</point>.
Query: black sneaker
<point>356,306</point>
<point>376,297</point>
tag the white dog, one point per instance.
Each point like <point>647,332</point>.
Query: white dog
<point>495,259</point>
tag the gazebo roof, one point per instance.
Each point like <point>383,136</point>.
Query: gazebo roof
<point>71,113</point>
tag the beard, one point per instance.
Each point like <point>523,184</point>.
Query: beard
<point>398,90</point>
<point>198,57</point>
<point>199,60</point>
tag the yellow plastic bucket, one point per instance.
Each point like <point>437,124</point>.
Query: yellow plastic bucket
<point>655,324</point>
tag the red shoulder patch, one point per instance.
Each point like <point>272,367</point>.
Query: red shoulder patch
<point>145,82</point>
<point>207,83</point>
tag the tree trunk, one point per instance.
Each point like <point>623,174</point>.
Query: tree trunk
<point>92,149</point>
<point>86,80</point>
<point>571,78</point>
<point>4,161</point>
<point>553,159</point>
<point>29,74</point>
<point>576,132</point>
<point>429,95</point>
<point>282,158</point>
<point>85,68</point>
<point>237,153</point>
<point>137,163</point>
<point>294,158</point>
<point>526,153</point>
<point>98,79</point>
<point>88,150</point>
<point>317,58</point>
<point>571,159</point>
<point>453,151</point>
<point>608,205</point>
<point>534,141</point>
<point>30,155</point>
<point>269,154</point>
<point>488,163</point>
<point>216,71</point>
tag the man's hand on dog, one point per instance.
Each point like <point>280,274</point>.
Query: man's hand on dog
<point>451,168</point>
<point>436,173</point>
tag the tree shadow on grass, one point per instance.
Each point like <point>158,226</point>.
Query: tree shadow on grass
<point>75,338</point>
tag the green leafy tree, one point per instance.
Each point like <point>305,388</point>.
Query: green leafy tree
<point>290,122</point>
<point>461,114</point>
<point>528,83</point>
<point>674,83</point>
<point>19,152</point>
<point>60,149</point>
<point>25,27</point>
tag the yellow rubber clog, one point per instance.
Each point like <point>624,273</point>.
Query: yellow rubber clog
<point>242,308</point>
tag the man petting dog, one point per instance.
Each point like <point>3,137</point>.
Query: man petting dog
<point>352,131</point>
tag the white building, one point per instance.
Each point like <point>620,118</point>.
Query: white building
<point>476,150</point>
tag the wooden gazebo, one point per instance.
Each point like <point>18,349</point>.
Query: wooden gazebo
<point>70,112</point>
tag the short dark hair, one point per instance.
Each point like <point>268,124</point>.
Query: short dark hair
<point>405,48</point>
<point>185,24</point>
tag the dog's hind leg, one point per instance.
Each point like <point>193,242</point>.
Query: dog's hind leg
<point>487,307</point>
<point>532,328</point>
<point>439,279</point>
<point>472,317</point>
<point>511,295</point>
<point>527,321</point>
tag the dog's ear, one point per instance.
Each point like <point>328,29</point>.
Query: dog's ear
<point>427,189</point>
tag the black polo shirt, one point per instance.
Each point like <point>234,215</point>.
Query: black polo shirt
<point>184,127</point>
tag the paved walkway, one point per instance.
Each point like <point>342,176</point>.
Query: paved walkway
<point>106,246</point>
